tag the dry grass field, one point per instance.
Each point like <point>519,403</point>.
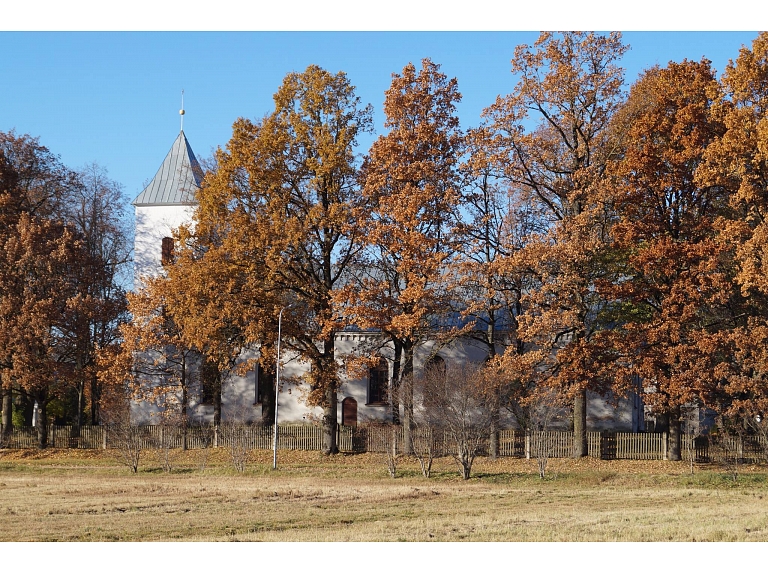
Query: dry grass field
<point>60,495</point>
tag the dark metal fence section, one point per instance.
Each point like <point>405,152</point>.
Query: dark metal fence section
<point>380,438</point>
<point>22,437</point>
<point>735,449</point>
<point>696,446</point>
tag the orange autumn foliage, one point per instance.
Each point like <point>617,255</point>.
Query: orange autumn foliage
<point>572,85</point>
<point>411,188</point>
<point>672,287</point>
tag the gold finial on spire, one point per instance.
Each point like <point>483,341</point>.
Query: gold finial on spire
<point>181,112</point>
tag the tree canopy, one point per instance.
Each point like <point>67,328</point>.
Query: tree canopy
<point>590,238</point>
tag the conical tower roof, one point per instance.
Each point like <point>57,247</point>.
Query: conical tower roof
<point>177,180</point>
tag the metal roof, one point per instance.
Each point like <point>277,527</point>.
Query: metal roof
<point>177,180</point>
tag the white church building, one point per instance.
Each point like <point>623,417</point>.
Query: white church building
<point>169,201</point>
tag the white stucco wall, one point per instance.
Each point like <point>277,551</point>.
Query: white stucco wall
<point>239,391</point>
<point>153,223</point>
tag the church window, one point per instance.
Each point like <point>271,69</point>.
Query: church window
<point>210,380</point>
<point>262,386</point>
<point>435,364</point>
<point>166,256</point>
<point>378,382</point>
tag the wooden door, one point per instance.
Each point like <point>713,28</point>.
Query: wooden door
<point>349,412</point>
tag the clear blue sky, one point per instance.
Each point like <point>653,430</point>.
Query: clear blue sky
<point>113,97</point>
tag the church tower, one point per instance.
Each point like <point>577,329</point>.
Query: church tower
<point>166,203</point>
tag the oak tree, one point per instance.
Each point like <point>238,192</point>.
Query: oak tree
<point>284,201</point>
<point>572,85</point>
<point>41,259</point>
<point>673,278</point>
<point>38,296</point>
<point>411,188</point>
<point>738,161</point>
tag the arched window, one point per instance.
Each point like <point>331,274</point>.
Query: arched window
<point>210,380</point>
<point>264,385</point>
<point>435,364</point>
<point>166,254</point>
<point>378,382</point>
<point>264,392</point>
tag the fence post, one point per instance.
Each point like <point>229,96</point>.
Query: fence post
<point>664,447</point>
<point>527,444</point>
<point>740,448</point>
<point>104,436</point>
<point>215,435</point>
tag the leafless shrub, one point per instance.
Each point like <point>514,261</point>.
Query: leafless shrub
<point>171,439</point>
<point>205,436</point>
<point>425,438</point>
<point>725,446</point>
<point>387,434</point>
<point>128,439</point>
<point>425,446</point>
<point>233,436</point>
<point>236,437</point>
<point>451,399</point>
<point>543,406</point>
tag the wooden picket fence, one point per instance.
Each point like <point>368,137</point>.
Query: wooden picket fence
<point>381,438</point>
<point>514,443</point>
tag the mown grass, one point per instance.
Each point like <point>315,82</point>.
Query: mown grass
<point>88,496</point>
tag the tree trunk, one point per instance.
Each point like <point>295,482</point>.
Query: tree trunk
<point>394,398</point>
<point>80,407</point>
<point>217,405</point>
<point>580,446</point>
<point>210,374</point>
<point>95,398</point>
<point>406,398</point>
<point>330,446</point>
<point>662,423</point>
<point>184,402</point>
<point>407,427</point>
<point>42,424</point>
<point>268,397</point>
<point>330,395</point>
<point>493,439</point>
<point>7,417</point>
<point>675,438</point>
